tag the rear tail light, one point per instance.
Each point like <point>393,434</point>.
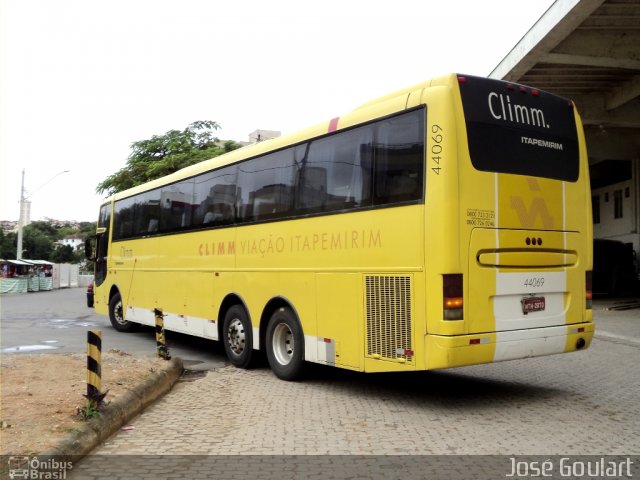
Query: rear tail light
<point>452,298</point>
<point>589,288</point>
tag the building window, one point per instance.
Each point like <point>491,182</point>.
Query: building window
<point>617,204</point>
<point>595,207</point>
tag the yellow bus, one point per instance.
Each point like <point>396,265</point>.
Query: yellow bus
<point>443,225</point>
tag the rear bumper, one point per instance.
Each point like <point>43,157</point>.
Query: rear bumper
<point>461,350</point>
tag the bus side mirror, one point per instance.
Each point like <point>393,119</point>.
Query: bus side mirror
<point>91,245</point>
<point>90,248</point>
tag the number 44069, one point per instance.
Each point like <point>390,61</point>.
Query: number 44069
<point>534,282</point>
<point>436,147</point>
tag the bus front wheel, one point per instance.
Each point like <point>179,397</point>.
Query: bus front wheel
<point>285,345</point>
<point>116,315</point>
<point>237,337</point>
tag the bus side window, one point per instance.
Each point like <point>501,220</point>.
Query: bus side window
<point>123,218</point>
<point>404,185</point>
<point>312,191</point>
<point>338,171</point>
<point>267,186</point>
<point>175,206</point>
<point>399,159</point>
<point>153,225</point>
<point>214,197</point>
<point>219,205</point>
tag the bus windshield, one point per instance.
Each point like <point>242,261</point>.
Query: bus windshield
<point>516,129</point>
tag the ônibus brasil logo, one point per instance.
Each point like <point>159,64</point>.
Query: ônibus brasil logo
<point>22,466</point>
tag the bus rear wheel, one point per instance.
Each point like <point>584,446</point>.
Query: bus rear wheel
<point>285,345</point>
<point>116,315</point>
<point>237,337</point>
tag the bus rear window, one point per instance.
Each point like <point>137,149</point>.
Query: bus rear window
<point>516,129</point>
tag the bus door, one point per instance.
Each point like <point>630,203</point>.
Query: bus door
<point>97,249</point>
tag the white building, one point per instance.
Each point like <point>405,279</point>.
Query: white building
<point>262,135</point>
<point>74,241</point>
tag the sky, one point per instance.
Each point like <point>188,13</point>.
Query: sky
<point>80,81</point>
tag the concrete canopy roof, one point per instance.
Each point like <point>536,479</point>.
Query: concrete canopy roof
<point>589,51</point>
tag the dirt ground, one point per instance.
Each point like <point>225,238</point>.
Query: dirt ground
<point>40,394</point>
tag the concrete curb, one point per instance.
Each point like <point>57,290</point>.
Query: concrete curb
<point>117,413</point>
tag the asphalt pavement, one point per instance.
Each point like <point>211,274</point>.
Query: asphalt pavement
<point>57,321</point>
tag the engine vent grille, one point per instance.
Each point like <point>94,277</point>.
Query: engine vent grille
<point>388,308</point>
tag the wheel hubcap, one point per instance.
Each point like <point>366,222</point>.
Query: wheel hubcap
<point>117,313</point>
<point>236,337</point>
<point>283,344</point>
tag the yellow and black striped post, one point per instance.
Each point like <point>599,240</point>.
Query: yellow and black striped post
<point>161,341</point>
<point>94,364</point>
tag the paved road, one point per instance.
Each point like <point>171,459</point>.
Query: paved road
<point>578,404</point>
<point>57,321</point>
<point>584,403</point>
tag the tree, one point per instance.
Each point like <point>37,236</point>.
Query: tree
<point>65,254</point>
<point>87,228</point>
<point>164,154</point>
<point>39,239</point>
<point>47,229</point>
<point>231,145</point>
<point>36,244</point>
<point>8,244</point>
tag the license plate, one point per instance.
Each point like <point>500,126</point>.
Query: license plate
<point>532,304</point>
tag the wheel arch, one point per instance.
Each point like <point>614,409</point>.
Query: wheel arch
<point>229,301</point>
<point>112,291</point>
<point>272,306</point>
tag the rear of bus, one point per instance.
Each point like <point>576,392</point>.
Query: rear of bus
<point>520,283</point>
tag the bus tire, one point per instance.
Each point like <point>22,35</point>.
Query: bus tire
<point>116,315</point>
<point>285,345</point>
<point>237,337</point>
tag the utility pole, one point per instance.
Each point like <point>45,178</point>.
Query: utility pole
<point>21,219</point>
<point>24,203</point>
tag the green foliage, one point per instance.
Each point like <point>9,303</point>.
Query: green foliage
<point>8,245</point>
<point>95,405</point>
<point>231,145</point>
<point>89,411</point>
<point>65,254</point>
<point>164,154</point>
<point>87,228</point>
<point>45,228</point>
<point>38,242</point>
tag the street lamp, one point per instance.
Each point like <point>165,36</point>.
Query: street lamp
<point>23,205</point>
